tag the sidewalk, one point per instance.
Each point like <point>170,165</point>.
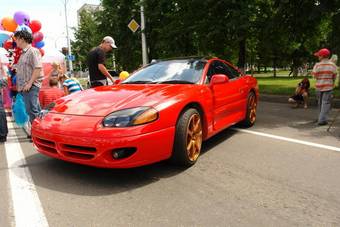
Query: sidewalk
<point>284,99</point>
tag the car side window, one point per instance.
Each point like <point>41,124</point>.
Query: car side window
<point>232,72</point>
<point>218,67</point>
<point>215,68</point>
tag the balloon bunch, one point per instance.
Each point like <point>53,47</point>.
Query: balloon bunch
<point>19,22</point>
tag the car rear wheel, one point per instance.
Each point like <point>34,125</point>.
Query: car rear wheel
<point>188,138</point>
<point>251,111</point>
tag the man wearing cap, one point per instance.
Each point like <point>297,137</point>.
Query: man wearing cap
<point>325,74</point>
<point>96,62</point>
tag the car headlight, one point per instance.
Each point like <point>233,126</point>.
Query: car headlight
<point>131,117</point>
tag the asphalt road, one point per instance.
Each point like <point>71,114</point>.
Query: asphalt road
<point>241,179</point>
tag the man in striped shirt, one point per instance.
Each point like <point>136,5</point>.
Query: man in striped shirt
<point>325,74</point>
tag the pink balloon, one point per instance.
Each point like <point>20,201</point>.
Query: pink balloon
<point>38,36</point>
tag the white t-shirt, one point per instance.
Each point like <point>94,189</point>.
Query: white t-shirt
<point>3,71</point>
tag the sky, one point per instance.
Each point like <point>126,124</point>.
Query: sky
<point>50,13</point>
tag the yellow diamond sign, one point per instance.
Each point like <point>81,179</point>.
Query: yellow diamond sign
<point>133,25</point>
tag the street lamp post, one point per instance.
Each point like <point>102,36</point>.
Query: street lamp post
<point>56,40</point>
<point>144,47</point>
<point>68,38</point>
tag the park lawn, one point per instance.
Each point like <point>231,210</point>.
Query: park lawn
<point>285,85</point>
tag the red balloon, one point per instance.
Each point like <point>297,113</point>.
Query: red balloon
<point>8,44</point>
<point>17,54</point>
<point>38,36</point>
<point>35,26</point>
<point>42,52</point>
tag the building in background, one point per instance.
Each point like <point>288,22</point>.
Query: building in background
<point>90,8</point>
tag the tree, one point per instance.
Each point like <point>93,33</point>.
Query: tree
<point>262,32</point>
<point>86,37</point>
<point>113,21</point>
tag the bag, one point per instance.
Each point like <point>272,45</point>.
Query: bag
<point>19,111</point>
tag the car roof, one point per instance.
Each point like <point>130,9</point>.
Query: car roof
<point>189,58</point>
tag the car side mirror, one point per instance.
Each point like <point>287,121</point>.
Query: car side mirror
<point>219,79</point>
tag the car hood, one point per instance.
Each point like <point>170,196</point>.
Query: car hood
<point>102,101</point>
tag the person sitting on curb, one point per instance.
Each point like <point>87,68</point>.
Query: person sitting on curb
<point>301,94</point>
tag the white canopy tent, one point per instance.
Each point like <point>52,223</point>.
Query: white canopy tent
<point>53,55</point>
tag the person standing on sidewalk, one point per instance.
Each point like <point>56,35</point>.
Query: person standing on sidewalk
<point>325,74</point>
<point>29,73</point>
<point>96,62</point>
<point>3,119</point>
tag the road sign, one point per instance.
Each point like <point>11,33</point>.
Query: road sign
<point>71,57</point>
<point>133,25</point>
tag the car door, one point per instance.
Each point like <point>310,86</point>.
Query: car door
<point>226,96</point>
<point>240,88</point>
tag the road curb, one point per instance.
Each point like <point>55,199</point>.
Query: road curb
<point>284,99</point>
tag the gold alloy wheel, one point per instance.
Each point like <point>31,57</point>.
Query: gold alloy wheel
<point>252,109</point>
<point>194,137</point>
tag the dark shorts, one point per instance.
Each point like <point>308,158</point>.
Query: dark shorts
<point>97,83</point>
<point>297,98</point>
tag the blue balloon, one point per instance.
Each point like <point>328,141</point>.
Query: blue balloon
<point>40,44</point>
<point>3,37</point>
<point>14,80</point>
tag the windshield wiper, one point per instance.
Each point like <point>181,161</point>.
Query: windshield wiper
<point>176,82</point>
<point>140,82</point>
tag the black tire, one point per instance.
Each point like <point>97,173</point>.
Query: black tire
<point>251,111</point>
<point>188,138</point>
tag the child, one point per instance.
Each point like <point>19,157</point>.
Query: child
<point>50,94</point>
<point>71,85</point>
<point>301,93</point>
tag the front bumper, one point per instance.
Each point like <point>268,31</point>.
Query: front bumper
<point>97,151</point>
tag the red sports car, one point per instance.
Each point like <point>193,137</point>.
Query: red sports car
<point>162,111</point>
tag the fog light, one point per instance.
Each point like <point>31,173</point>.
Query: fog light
<point>123,152</point>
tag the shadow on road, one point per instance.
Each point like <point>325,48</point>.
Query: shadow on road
<point>77,179</point>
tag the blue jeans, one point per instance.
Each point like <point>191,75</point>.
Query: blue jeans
<point>31,99</point>
<point>324,102</point>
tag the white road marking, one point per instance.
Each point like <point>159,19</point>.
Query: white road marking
<point>290,140</point>
<point>26,205</point>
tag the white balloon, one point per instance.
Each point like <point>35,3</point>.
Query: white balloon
<point>24,28</point>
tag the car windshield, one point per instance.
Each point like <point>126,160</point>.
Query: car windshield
<point>173,71</point>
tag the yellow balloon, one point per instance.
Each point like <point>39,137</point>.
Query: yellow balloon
<point>123,75</point>
<point>9,24</point>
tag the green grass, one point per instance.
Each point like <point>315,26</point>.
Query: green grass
<point>83,82</point>
<point>284,85</point>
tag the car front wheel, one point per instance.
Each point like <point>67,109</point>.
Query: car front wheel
<point>188,138</point>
